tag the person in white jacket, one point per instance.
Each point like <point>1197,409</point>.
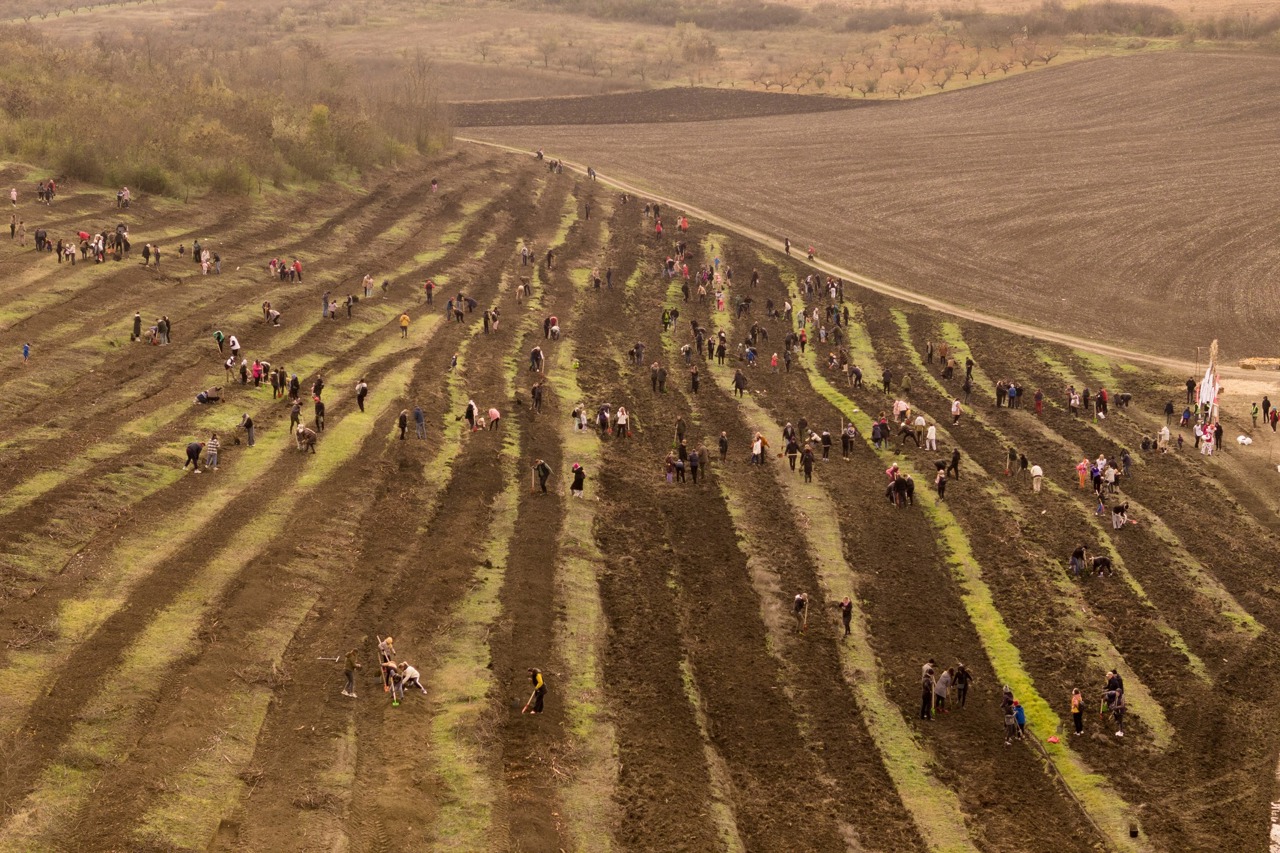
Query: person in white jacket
<point>411,676</point>
<point>931,437</point>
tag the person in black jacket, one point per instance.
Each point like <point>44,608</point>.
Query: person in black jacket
<point>579,475</point>
<point>543,470</point>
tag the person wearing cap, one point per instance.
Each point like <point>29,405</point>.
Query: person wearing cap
<point>579,477</point>
<point>539,687</point>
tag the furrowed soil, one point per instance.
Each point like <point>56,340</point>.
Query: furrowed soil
<point>1119,200</point>
<point>171,643</point>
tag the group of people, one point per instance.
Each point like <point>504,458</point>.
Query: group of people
<point>940,692</point>
<point>396,676</point>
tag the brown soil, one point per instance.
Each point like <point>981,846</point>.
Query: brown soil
<point>696,103</point>
<point>1126,189</point>
<point>723,722</point>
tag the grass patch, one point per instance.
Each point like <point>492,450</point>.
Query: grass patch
<point>464,679</point>
<point>579,639</point>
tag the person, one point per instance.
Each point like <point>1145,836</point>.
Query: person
<point>694,462</point>
<point>1077,710</point>
<point>412,678</point>
<point>234,344</point>
<point>246,423</point>
<point>1037,477</point>
<point>846,614</point>
<point>470,413</point>
<point>396,676</point>
<point>1118,709</point>
<point>420,422</point>
<point>940,480</point>
<point>403,422</point>
<point>319,409</point>
<point>211,452</point>
<point>953,470</point>
<point>621,420</point>
<point>1100,566</point>
<point>1020,717</point>
<point>800,610</point>
<point>1119,515</point>
<point>806,462</point>
<point>295,415</point>
<point>941,690</point>
<point>351,666</point>
<point>543,471</point>
<point>386,655</point>
<point>931,437</point>
<point>926,694</point>
<point>362,391</point>
<point>194,449</point>
<point>724,447</point>
<point>961,681</point>
<point>26,353</point>
<point>792,450</point>
<point>220,339</point>
<point>579,476</point>
<point>955,411</point>
<point>305,438</point>
<point>404,325</point>
<point>1010,721</point>
<point>494,418</point>
<point>539,690</point>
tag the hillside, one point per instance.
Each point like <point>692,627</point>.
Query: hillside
<point>685,710</point>
<point>1124,199</point>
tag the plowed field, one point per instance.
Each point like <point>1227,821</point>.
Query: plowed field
<point>1122,200</point>
<point>171,643</point>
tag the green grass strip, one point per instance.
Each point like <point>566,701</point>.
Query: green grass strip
<point>580,637</point>
<point>464,682</point>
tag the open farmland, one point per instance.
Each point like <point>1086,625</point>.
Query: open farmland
<point>1123,200</point>
<point>167,639</point>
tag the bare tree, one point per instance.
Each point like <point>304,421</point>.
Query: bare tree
<point>1048,52</point>
<point>548,46</point>
<point>484,47</point>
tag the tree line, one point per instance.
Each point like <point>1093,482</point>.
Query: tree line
<point>209,103</point>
